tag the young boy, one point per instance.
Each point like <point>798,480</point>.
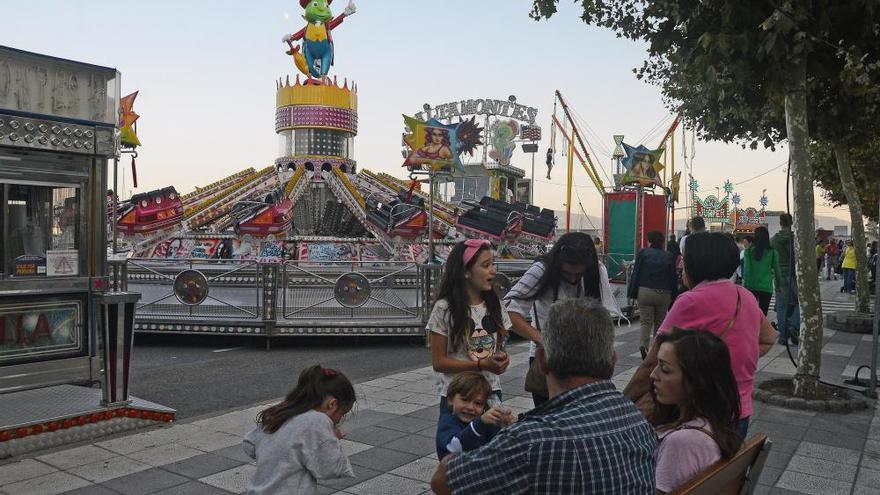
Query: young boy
<point>469,427</point>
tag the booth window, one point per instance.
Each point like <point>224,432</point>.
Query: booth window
<point>41,226</point>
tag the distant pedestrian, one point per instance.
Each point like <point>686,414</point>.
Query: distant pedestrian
<point>832,253</point>
<point>849,268</point>
<point>696,225</point>
<point>788,312</point>
<point>744,244</point>
<point>468,324</point>
<point>761,269</point>
<point>653,283</point>
<point>820,256</point>
<point>296,442</point>
<point>673,247</point>
<point>872,263</point>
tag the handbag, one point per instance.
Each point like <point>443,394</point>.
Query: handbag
<point>536,381</point>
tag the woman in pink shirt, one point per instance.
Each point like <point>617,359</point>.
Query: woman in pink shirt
<point>697,406</point>
<point>717,305</point>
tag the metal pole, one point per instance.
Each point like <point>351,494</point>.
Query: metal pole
<point>115,199</point>
<point>431,217</point>
<point>568,183</point>
<point>672,175</point>
<point>532,185</point>
<point>872,383</point>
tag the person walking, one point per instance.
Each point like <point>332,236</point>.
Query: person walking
<point>653,283</point>
<point>849,268</point>
<point>832,253</point>
<point>761,269</point>
<point>820,255</point>
<point>788,312</point>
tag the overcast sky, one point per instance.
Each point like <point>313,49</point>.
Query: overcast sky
<point>207,71</point>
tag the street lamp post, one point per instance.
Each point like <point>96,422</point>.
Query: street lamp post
<point>531,148</point>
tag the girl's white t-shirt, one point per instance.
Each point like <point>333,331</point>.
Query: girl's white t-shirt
<point>439,323</point>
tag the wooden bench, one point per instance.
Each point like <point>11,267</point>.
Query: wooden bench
<point>735,476</point>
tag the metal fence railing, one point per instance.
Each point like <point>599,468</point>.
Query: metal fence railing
<point>376,289</point>
<point>295,294</point>
<point>192,288</point>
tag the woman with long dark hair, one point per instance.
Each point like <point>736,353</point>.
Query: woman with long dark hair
<point>761,269</point>
<point>571,269</point>
<point>296,442</point>
<point>697,406</point>
<point>467,324</point>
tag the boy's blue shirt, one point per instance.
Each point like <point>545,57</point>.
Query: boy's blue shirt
<point>471,435</point>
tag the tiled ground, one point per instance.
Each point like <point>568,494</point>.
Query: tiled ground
<point>390,439</point>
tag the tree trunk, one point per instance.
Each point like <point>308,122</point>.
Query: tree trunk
<point>806,379</point>
<point>860,243</point>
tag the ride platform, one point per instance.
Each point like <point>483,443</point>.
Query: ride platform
<point>63,414</point>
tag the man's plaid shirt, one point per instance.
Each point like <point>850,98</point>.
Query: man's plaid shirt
<point>588,440</point>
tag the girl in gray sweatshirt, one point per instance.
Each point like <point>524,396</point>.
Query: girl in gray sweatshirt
<point>296,442</point>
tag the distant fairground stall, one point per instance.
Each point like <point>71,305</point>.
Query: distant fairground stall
<point>724,212</point>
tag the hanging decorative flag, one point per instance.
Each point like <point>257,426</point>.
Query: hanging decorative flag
<point>642,165</point>
<point>438,145</point>
<point>127,118</point>
<point>127,130</point>
<point>676,186</point>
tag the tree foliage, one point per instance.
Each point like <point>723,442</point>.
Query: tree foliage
<point>866,169</point>
<point>721,63</point>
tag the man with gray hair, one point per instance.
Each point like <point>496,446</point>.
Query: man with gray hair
<point>588,438</point>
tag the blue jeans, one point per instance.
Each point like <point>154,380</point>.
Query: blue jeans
<point>849,279</point>
<point>794,319</point>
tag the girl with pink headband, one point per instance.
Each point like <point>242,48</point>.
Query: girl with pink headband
<point>467,325</point>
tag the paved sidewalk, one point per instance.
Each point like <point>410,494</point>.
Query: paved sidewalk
<point>390,439</point>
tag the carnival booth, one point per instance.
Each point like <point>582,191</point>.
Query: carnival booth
<point>61,329</point>
<point>629,216</point>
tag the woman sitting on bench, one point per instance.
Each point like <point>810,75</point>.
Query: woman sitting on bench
<point>697,406</point>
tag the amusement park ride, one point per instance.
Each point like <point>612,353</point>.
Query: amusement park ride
<point>314,195</point>
<point>314,206</point>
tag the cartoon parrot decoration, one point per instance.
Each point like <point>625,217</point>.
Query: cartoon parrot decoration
<point>315,56</point>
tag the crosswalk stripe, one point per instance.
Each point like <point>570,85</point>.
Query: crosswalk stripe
<point>830,306</point>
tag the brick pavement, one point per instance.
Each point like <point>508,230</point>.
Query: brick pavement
<point>390,438</point>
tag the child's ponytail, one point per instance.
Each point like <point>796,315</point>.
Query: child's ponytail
<point>314,384</point>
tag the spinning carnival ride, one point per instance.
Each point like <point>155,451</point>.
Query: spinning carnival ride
<point>311,244</point>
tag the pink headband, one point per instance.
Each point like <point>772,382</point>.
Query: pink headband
<point>471,246</point>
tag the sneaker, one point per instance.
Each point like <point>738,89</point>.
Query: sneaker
<point>794,339</point>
